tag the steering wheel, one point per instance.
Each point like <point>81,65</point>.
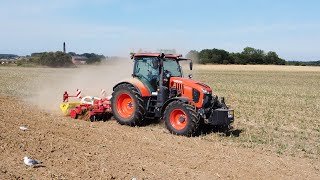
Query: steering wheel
<point>166,73</point>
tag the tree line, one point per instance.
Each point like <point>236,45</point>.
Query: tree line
<point>304,63</point>
<point>58,59</point>
<point>249,55</point>
<point>7,56</point>
<point>51,59</point>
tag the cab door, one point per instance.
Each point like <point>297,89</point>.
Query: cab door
<point>146,71</point>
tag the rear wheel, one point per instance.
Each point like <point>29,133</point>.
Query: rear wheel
<point>127,105</point>
<point>181,119</point>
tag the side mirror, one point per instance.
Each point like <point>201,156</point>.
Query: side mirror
<point>191,65</point>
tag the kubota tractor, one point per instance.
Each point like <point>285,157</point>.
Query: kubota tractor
<point>157,89</point>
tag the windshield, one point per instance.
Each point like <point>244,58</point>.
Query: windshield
<point>173,67</point>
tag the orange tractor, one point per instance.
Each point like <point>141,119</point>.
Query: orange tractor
<point>157,89</point>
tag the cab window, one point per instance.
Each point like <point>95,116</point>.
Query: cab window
<point>146,69</point>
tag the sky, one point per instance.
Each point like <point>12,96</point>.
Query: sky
<point>117,27</point>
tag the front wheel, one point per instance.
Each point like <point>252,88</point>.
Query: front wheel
<point>181,119</point>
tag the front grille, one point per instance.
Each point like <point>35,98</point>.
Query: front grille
<point>207,100</point>
<point>179,87</point>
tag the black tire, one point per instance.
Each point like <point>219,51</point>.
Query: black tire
<point>192,124</point>
<point>106,117</point>
<point>136,118</point>
<point>93,118</point>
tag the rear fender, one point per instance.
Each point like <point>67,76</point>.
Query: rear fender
<point>142,89</point>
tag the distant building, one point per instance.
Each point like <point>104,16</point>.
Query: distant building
<point>78,60</point>
<point>7,61</point>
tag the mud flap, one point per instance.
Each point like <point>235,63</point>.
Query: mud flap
<point>221,117</point>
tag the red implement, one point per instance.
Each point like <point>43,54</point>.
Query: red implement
<point>89,108</point>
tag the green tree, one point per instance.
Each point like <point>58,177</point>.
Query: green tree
<point>253,56</point>
<point>249,55</point>
<point>236,58</point>
<point>205,56</point>
<point>271,57</point>
<point>55,59</point>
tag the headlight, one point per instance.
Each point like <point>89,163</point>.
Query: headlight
<point>204,91</point>
<point>230,114</point>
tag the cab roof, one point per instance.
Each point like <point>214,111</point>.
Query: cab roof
<point>173,56</point>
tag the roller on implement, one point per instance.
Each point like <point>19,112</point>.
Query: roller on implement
<point>87,108</point>
<point>157,90</point>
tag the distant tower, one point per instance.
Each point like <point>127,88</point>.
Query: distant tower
<point>64,47</point>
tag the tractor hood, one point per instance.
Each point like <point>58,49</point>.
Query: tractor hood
<point>201,87</point>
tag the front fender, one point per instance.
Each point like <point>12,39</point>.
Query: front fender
<point>182,99</point>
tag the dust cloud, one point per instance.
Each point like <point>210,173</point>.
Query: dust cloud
<point>90,79</point>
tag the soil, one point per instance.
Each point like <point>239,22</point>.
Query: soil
<point>74,149</point>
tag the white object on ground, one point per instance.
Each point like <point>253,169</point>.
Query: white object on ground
<point>30,162</point>
<point>23,128</point>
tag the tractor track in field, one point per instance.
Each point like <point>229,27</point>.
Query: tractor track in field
<point>73,149</point>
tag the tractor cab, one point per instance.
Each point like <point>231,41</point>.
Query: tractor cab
<point>147,69</point>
